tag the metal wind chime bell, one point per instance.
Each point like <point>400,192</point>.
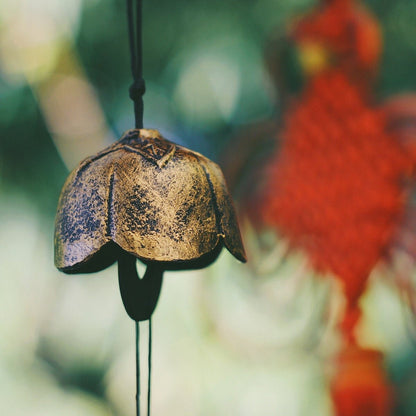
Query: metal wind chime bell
<point>144,198</point>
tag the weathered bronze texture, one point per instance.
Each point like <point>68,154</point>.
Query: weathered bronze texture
<point>151,197</point>
<point>147,197</point>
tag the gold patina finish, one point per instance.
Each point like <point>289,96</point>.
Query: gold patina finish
<point>149,197</point>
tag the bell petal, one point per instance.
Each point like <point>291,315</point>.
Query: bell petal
<point>226,213</point>
<point>163,213</point>
<point>81,221</point>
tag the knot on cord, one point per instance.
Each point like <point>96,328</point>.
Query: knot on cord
<point>137,89</point>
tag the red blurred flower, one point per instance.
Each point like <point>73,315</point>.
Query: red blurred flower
<point>360,387</point>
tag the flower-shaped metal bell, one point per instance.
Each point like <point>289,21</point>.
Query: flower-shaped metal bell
<point>144,197</point>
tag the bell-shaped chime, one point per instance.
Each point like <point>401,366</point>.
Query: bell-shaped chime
<point>144,198</point>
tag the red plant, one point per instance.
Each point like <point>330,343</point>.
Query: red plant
<point>338,185</point>
<point>335,189</point>
<point>361,388</point>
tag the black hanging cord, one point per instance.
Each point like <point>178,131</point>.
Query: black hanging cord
<point>140,296</point>
<point>136,92</point>
<point>137,89</point>
<point>149,363</point>
<point>137,368</point>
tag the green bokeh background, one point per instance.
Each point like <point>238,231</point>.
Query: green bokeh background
<point>221,348</point>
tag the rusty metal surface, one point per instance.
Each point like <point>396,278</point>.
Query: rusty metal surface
<point>149,197</point>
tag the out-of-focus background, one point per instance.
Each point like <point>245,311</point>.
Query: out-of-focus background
<point>225,342</point>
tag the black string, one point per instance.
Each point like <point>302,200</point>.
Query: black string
<point>149,362</point>
<point>136,92</point>
<point>137,368</point>
<point>137,89</point>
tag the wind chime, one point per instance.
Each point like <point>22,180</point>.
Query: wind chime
<point>144,198</point>
<point>337,187</point>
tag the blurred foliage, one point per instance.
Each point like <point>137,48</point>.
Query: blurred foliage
<point>206,79</point>
<point>176,35</point>
<point>29,162</point>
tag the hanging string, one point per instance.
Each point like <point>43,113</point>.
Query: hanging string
<point>149,363</point>
<point>137,368</point>
<point>137,89</point>
<point>136,92</point>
